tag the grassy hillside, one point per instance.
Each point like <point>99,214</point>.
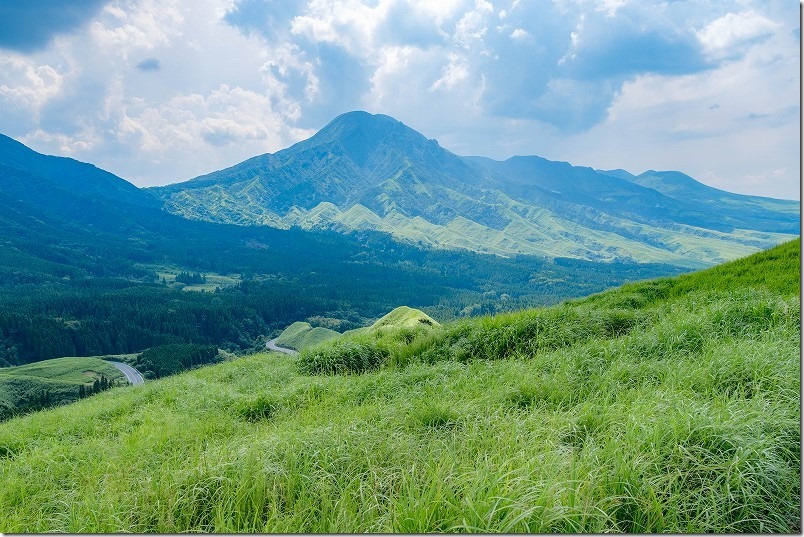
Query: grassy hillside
<point>50,382</point>
<point>664,406</point>
<point>404,317</point>
<point>301,335</point>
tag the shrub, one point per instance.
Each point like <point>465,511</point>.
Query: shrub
<point>261,408</point>
<point>343,356</point>
<point>174,358</point>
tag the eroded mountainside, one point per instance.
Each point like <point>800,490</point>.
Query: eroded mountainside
<point>371,172</point>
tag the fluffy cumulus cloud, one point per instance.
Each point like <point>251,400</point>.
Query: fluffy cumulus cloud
<point>159,91</point>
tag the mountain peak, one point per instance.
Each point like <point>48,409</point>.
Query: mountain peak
<point>360,133</point>
<point>363,118</point>
<point>360,124</point>
<point>366,171</point>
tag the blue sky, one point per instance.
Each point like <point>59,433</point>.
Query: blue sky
<point>159,91</point>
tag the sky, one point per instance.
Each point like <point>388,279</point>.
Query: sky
<point>160,91</point>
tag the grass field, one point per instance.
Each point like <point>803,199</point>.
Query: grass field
<point>24,386</point>
<point>213,279</point>
<point>663,406</point>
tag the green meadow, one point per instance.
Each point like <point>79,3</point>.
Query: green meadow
<point>51,382</point>
<point>670,405</point>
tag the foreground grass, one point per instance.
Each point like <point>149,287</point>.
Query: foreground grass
<point>645,410</point>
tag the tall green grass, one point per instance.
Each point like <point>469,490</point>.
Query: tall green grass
<point>644,410</point>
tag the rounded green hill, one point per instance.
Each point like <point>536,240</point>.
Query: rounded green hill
<point>404,317</point>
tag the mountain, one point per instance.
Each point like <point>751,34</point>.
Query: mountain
<point>90,265</point>
<point>714,205</point>
<point>371,172</point>
<point>79,178</point>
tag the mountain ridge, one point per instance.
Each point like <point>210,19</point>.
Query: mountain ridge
<point>364,171</point>
<point>64,172</point>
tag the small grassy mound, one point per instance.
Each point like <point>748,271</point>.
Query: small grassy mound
<point>301,335</point>
<point>404,317</point>
<point>292,335</point>
<point>400,332</point>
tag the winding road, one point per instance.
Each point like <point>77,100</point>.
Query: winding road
<point>135,377</point>
<point>271,345</point>
<point>132,375</point>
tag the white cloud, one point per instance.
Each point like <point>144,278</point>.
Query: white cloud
<point>187,124</point>
<point>128,24</point>
<point>27,86</point>
<point>575,41</point>
<point>347,23</point>
<point>610,7</point>
<point>568,80</point>
<point>285,59</point>
<point>519,33</point>
<point>734,127</point>
<point>454,73</point>
<point>399,70</point>
<point>725,36</point>
<point>474,24</point>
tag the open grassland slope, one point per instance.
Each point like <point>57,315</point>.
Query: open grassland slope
<point>664,406</point>
<point>51,382</point>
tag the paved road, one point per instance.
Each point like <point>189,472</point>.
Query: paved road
<point>132,375</point>
<point>273,346</point>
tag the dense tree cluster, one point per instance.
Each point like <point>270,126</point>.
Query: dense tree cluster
<point>191,279</point>
<point>25,394</point>
<point>174,358</point>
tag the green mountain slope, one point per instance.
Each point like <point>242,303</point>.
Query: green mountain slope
<point>717,208</point>
<point>81,178</point>
<point>371,172</point>
<point>670,405</point>
<point>81,270</point>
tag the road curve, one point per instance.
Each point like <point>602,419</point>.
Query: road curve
<point>271,345</point>
<point>132,375</point>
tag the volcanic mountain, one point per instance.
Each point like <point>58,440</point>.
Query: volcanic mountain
<point>372,172</point>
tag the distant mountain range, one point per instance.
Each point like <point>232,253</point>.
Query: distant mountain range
<point>88,260</point>
<point>90,266</point>
<point>371,172</point>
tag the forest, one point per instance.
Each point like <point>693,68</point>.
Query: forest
<point>79,278</point>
